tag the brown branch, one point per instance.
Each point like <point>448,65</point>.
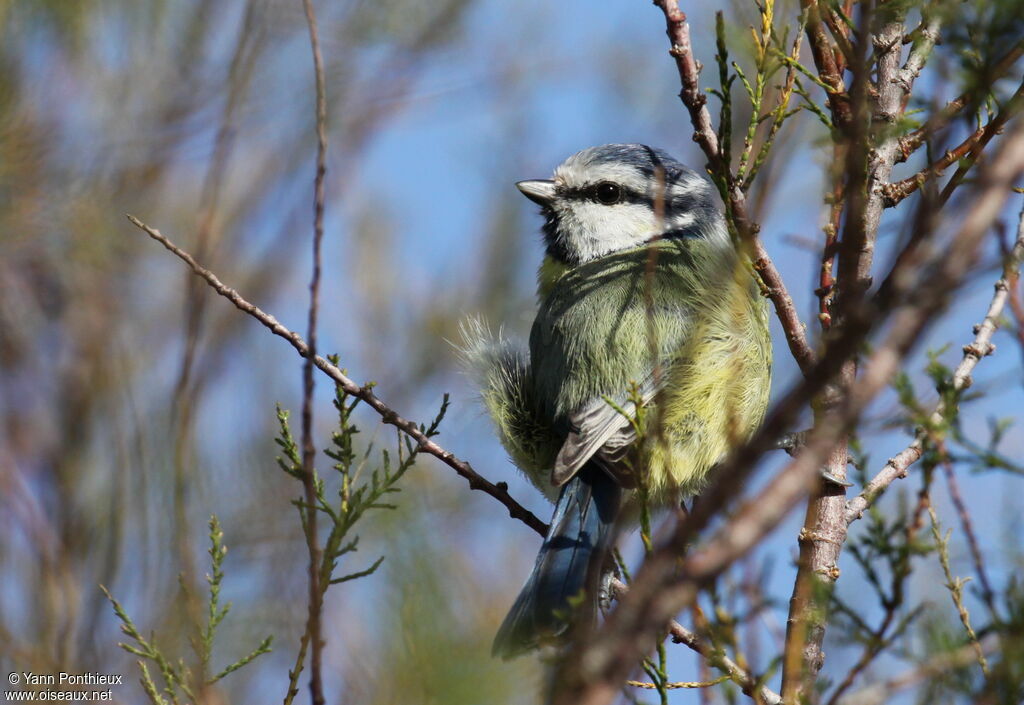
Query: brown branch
<point>936,279</point>
<point>866,203</point>
<point>895,192</point>
<point>365,393</point>
<point>825,62</point>
<point>969,149</point>
<point>678,30</point>
<point>910,142</point>
<point>1012,108</point>
<point>824,532</point>
<point>313,634</point>
<point>838,29</point>
<point>897,467</point>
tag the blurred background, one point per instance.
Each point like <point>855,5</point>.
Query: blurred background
<point>135,403</point>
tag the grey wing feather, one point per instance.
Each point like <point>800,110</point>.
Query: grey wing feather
<point>599,429</point>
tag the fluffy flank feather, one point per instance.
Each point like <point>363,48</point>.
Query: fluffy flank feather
<point>500,366</point>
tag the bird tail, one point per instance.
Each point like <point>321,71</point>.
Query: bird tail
<point>575,545</point>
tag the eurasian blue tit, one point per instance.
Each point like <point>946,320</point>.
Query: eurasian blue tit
<point>644,301</point>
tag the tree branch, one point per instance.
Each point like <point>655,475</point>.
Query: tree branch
<point>825,62</point>
<point>910,142</point>
<point>969,149</point>
<point>388,415</point>
<point>898,465</point>
<point>678,30</point>
<point>309,479</point>
<point>876,110</point>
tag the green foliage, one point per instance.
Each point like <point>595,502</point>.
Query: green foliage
<point>767,106</point>
<point>179,683</point>
<point>357,493</point>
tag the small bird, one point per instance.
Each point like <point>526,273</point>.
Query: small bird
<point>644,302</point>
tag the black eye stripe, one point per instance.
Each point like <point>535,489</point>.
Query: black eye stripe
<point>589,193</point>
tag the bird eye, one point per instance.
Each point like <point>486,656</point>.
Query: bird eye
<point>608,193</point>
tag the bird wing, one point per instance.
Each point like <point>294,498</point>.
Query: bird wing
<point>599,429</point>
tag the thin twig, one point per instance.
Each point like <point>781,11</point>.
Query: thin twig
<point>910,142</point>
<point>897,466</point>
<point>309,479</point>
<point>365,393</point>
<point>678,30</point>
<point>968,150</point>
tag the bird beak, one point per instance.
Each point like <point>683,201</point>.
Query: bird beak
<point>540,191</point>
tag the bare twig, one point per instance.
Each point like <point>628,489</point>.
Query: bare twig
<point>910,142</point>
<point>1007,112</point>
<point>967,150</point>
<point>309,479</point>
<point>388,415</point>
<point>898,465</point>
<point>678,30</point>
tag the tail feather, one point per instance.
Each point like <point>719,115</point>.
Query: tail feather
<point>576,542</point>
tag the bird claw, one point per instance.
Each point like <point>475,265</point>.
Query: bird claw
<point>830,478</point>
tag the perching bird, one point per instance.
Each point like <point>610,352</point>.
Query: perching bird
<point>643,297</point>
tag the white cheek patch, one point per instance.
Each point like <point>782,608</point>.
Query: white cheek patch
<point>597,229</point>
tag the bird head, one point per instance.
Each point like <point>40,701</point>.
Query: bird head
<point>619,196</point>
